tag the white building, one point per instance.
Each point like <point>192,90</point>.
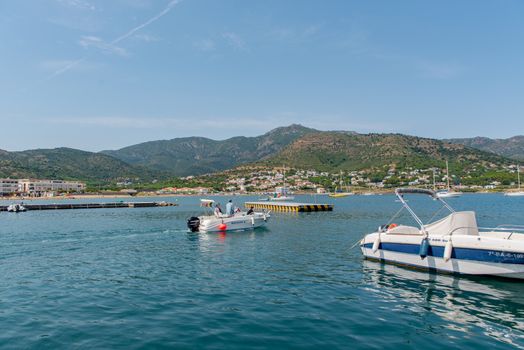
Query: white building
<point>40,187</point>
<point>8,186</point>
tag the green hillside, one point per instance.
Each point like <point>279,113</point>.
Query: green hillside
<point>512,147</point>
<point>199,155</point>
<point>331,151</point>
<point>67,163</point>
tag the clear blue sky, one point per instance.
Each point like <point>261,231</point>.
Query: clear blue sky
<point>97,74</point>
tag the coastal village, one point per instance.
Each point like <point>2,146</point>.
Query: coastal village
<point>266,180</point>
<point>246,179</point>
<point>260,179</point>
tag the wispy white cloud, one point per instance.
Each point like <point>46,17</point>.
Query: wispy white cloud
<point>234,40</point>
<point>255,123</point>
<point>205,45</point>
<point>57,65</point>
<point>439,70</point>
<point>112,47</point>
<point>153,19</point>
<point>95,42</point>
<point>67,67</point>
<point>177,123</point>
<point>312,30</point>
<point>295,34</point>
<point>148,38</point>
<point>78,4</point>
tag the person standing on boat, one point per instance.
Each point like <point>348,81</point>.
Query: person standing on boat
<point>230,209</point>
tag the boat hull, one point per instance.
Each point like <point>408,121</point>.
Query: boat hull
<point>234,223</point>
<point>16,208</point>
<point>281,199</point>
<point>449,194</point>
<point>339,195</point>
<point>471,261</point>
<point>514,194</point>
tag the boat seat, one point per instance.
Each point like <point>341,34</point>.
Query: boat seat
<point>404,230</point>
<point>458,223</point>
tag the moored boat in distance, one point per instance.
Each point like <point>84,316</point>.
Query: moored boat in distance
<point>339,193</point>
<point>453,244</point>
<point>16,208</point>
<point>281,194</point>
<point>449,193</point>
<point>518,192</point>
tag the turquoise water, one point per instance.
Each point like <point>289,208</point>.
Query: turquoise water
<point>134,278</point>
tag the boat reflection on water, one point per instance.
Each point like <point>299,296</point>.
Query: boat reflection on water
<point>214,242</point>
<point>495,307</point>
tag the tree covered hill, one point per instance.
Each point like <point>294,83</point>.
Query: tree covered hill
<point>512,147</point>
<point>292,146</point>
<point>67,163</point>
<point>199,155</point>
<point>331,151</point>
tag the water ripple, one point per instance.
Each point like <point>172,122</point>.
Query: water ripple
<point>137,279</point>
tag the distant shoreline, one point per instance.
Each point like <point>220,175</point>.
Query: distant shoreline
<point>150,195</point>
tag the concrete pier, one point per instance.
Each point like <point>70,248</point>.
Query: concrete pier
<point>61,206</point>
<point>289,206</point>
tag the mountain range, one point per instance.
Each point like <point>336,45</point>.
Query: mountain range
<point>199,155</point>
<point>67,163</point>
<point>341,151</point>
<point>512,147</point>
<point>293,146</point>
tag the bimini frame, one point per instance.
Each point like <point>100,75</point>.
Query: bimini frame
<point>400,194</point>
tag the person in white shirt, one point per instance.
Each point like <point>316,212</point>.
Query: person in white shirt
<point>230,209</point>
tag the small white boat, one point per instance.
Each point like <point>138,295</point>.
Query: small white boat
<point>447,193</point>
<point>515,194</point>
<point>453,244</point>
<point>281,198</point>
<point>282,193</point>
<point>238,222</point>
<point>16,208</point>
<point>518,192</point>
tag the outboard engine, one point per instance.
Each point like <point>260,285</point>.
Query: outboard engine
<point>193,223</point>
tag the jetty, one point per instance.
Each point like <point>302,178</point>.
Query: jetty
<point>61,206</point>
<point>289,206</point>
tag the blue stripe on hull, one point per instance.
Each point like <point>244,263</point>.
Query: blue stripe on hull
<point>493,256</point>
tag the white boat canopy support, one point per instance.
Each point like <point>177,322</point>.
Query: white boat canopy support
<point>401,191</point>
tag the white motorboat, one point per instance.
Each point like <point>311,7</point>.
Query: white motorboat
<point>16,208</point>
<point>453,244</point>
<point>237,222</point>
<point>518,192</point>
<point>223,222</point>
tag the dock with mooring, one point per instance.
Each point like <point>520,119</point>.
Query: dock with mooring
<point>289,206</point>
<point>62,206</point>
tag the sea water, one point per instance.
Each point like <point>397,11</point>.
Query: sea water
<point>135,278</point>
